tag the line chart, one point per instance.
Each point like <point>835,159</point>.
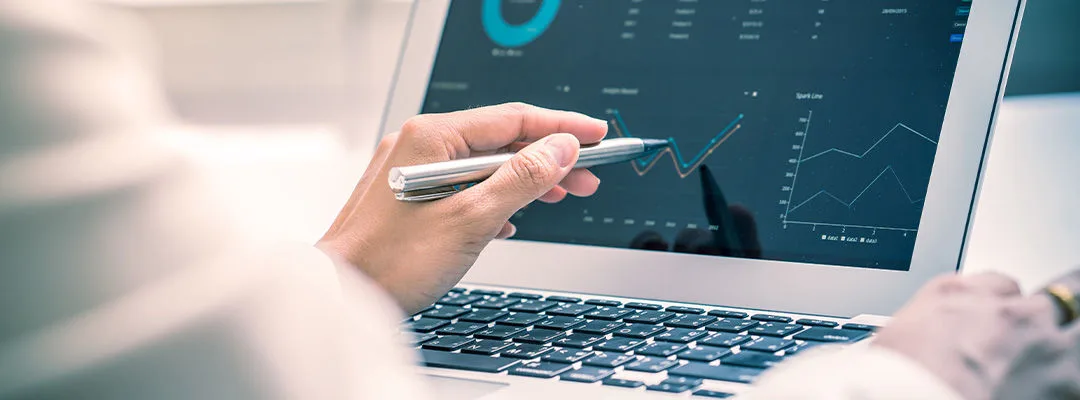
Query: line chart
<point>871,148</point>
<point>849,204</point>
<point>682,167</point>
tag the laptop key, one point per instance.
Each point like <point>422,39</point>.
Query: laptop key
<point>607,313</point>
<point>681,335</point>
<point>602,302</point>
<point>520,319</point>
<point>660,349</point>
<point>485,316</point>
<point>608,360</point>
<point>470,362</point>
<point>686,310</point>
<point>690,321</point>
<point>540,369</point>
<point>457,290</point>
<point>732,325</point>
<point>496,303</point>
<point>832,335</point>
<point>651,364</point>
<point>728,314</point>
<point>768,344</point>
<point>460,300</point>
<point>426,325</point>
<point>577,340</point>
<point>639,331</point>
<point>859,327</point>
<point>461,328</point>
<point>724,339</point>
<point>800,347</point>
<point>446,312</point>
<point>566,356</point>
<point>752,359</point>
<point>649,317</point>
<point>620,345</point>
<point>486,292</point>
<point>644,306</point>
<point>420,338</point>
<point>775,329</point>
<point>817,322</point>
<point>525,351</point>
<point>770,318</point>
<point>564,299</point>
<point>447,343</point>
<point>675,385</point>
<point>498,332</point>
<point>712,393</point>
<point>626,383</point>
<point>538,336</point>
<point>521,295</point>
<point>587,374</point>
<point>599,327</point>
<point>532,306</point>
<point>729,373</point>
<point>560,323</point>
<point>704,354</point>
<point>571,309</point>
<point>669,388</point>
<point>485,347</point>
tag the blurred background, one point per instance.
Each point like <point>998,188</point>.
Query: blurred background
<point>284,98</point>
<point>237,62</point>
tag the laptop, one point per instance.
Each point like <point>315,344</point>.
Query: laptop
<point>825,161</point>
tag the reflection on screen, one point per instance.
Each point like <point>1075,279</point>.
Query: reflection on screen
<point>803,130</point>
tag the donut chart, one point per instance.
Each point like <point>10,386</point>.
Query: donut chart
<point>506,35</point>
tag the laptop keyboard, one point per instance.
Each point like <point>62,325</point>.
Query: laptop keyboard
<point>675,348</point>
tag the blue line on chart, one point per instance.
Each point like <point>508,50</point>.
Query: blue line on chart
<point>684,167</point>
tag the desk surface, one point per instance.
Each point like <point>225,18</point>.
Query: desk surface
<point>1027,220</point>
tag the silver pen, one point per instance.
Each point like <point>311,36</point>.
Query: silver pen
<point>442,179</point>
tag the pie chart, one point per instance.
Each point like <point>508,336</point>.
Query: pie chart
<point>506,35</point>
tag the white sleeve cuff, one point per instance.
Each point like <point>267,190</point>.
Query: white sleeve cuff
<point>859,372</point>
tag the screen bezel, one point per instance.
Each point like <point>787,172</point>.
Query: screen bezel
<point>977,90</point>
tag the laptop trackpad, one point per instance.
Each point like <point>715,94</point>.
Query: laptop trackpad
<point>462,389</point>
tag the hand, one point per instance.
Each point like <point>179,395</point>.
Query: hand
<point>980,335</point>
<point>418,251</point>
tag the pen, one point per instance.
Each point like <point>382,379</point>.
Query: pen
<point>442,179</point>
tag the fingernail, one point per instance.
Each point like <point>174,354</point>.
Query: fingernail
<point>564,147</point>
<point>600,122</point>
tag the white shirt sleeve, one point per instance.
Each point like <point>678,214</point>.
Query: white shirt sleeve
<point>858,372</point>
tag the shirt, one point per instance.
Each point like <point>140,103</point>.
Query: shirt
<point>123,279</point>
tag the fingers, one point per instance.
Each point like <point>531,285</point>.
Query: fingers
<point>555,195</point>
<point>507,231</point>
<point>531,173</point>
<point>489,128</point>
<point>580,182</point>
<point>994,283</point>
<point>440,137</point>
<point>983,283</point>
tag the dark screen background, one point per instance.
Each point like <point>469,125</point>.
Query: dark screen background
<point>816,121</point>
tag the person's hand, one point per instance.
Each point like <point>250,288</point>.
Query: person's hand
<point>418,251</point>
<point>984,338</point>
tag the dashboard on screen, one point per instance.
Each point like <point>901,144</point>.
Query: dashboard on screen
<point>802,130</point>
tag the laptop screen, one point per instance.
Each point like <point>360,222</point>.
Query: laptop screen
<point>802,130</point>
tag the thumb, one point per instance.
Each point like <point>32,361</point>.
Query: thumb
<point>533,171</point>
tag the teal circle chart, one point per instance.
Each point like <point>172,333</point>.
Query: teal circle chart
<point>506,35</point>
